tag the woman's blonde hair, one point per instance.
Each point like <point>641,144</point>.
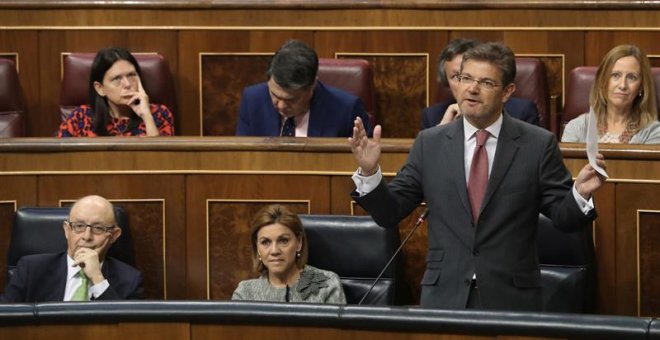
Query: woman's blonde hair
<point>644,109</point>
<point>280,214</point>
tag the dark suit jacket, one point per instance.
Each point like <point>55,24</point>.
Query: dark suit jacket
<point>42,278</point>
<point>528,176</point>
<point>522,109</point>
<point>332,112</point>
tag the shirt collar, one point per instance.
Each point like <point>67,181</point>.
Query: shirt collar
<point>494,129</point>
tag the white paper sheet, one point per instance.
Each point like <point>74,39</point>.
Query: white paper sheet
<point>592,142</point>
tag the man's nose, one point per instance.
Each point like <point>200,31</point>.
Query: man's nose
<point>87,233</point>
<point>281,105</point>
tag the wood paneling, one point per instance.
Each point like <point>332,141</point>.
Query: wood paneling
<point>598,43</point>
<point>223,79</point>
<point>630,198</point>
<point>649,260</point>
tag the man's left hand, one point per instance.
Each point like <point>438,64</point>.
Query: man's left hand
<point>589,180</point>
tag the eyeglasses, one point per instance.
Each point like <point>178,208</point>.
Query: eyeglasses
<point>485,84</point>
<point>79,227</point>
<point>117,80</point>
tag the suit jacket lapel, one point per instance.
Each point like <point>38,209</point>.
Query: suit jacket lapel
<point>272,121</point>
<point>316,123</point>
<point>455,151</point>
<point>507,147</point>
<point>58,276</point>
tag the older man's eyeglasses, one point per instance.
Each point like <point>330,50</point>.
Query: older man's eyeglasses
<point>486,84</point>
<point>79,227</point>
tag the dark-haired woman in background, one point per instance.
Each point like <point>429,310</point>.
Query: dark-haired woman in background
<point>279,254</point>
<point>118,104</point>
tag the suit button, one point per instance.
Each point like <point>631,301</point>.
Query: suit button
<point>468,282</point>
<point>475,252</point>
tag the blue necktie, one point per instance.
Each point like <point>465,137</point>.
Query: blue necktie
<point>289,128</point>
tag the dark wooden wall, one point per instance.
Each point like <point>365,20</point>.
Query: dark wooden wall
<point>212,46</point>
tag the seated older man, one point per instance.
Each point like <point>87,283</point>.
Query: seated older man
<point>83,272</point>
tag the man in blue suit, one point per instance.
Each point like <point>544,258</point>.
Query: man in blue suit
<point>449,65</point>
<point>293,102</point>
<point>83,272</point>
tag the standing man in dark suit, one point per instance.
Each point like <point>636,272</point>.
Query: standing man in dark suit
<point>83,272</point>
<point>449,65</point>
<point>485,179</point>
<point>293,102</point>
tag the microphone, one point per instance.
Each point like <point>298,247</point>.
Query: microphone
<point>419,221</point>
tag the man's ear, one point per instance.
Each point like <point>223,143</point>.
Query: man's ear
<point>508,91</point>
<point>66,230</point>
<point>115,234</point>
<point>99,89</point>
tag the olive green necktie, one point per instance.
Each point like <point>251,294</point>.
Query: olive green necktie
<point>81,292</point>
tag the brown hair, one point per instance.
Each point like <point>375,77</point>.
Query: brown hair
<point>497,54</point>
<point>280,214</point>
<point>644,106</point>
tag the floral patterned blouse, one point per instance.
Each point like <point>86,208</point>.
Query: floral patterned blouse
<point>79,123</point>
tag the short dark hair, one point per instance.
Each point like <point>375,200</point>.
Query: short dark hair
<point>294,65</point>
<point>103,61</point>
<point>453,48</point>
<point>498,54</point>
<point>272,214</point>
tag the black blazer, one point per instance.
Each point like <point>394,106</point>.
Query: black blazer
<point>528,176</point>
<point>42,278</point>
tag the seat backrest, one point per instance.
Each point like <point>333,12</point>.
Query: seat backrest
<point>354,76</point>
<point>12,103</point>
<point>568,269</point>
<point>531,83</point>
<point>38,230</point>
<point>156,79</point>
<point>357,249</point>
<point>578,87</point>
